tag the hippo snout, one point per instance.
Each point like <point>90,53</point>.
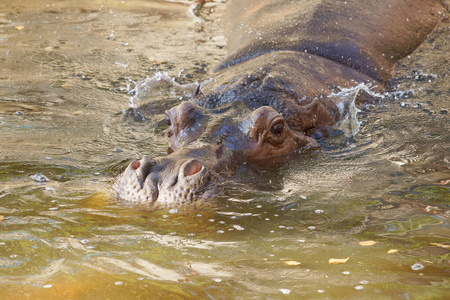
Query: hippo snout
<point>163,181</point>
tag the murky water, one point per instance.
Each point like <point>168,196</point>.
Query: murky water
<point>67,68</point>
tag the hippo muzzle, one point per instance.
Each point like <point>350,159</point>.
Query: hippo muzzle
<point>164,181</point>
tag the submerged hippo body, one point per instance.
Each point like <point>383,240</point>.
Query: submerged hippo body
<point>269,97</point>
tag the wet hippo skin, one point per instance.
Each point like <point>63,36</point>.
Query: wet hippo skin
<point>269,97</point>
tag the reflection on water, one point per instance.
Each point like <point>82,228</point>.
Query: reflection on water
<point>66,72</point>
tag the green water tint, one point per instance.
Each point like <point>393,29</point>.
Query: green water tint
<point>272,231</point>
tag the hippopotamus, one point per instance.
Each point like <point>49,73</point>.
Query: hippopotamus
<point>270,96</point>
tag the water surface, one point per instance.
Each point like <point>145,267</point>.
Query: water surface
<point>68,71</point>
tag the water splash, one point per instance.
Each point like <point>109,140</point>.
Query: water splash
<point>155,86</point>
<point>345,101</point>
<point>147,87</point>
<point>152,89</point>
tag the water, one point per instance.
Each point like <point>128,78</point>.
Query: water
<point>67,70</point>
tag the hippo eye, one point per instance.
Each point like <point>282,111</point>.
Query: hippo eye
<point>168,121</point>
<point>277,129</point>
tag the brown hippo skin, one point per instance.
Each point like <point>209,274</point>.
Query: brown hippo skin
<point>269,98</point>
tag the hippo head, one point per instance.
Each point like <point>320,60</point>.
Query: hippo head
<point>205,146</point>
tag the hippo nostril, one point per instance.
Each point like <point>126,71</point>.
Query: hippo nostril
<point>135,165</point>
<point>143,167</point>
<point>192,167</point>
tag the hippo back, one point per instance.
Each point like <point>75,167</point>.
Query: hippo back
<point>367,35</point>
